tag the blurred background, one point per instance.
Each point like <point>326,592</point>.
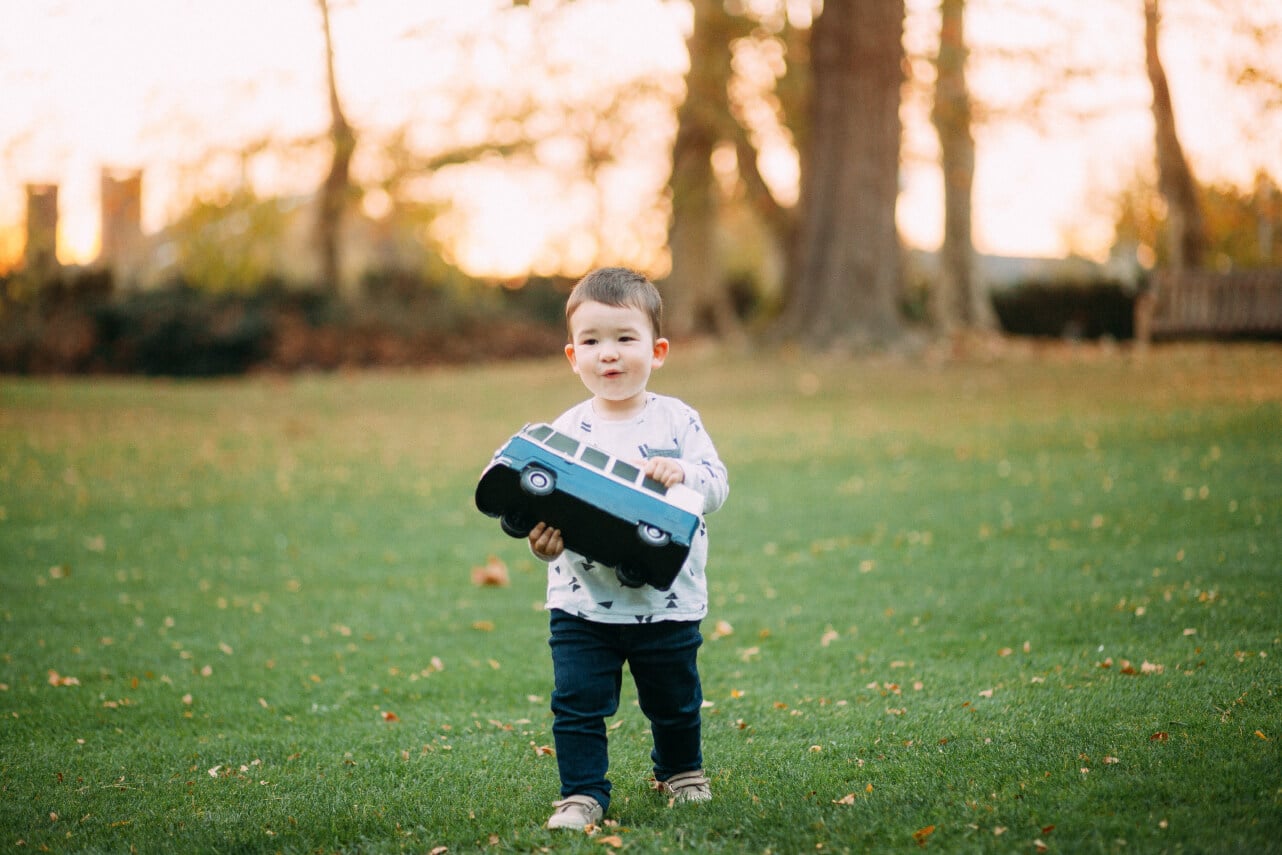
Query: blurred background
<point>191,188</point>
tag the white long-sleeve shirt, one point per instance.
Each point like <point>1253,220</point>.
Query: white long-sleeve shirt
<point>667,427</point>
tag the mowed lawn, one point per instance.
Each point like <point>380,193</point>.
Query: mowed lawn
<point>1023,602</point>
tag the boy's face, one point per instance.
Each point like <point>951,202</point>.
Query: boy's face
<point>613,350</point>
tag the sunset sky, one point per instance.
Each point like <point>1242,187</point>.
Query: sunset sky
<point>159,84</point>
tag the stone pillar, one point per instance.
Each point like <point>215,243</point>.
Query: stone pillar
<point>40,258</point>
<point>121,215</point>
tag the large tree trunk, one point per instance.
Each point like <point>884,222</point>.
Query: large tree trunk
<point>335,191</point>
<point>959,299</point>
<point>847,289</point>
<point>695,291</point>
<point>1186,231</point>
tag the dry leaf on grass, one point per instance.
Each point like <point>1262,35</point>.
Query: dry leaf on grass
<point>492,574</point>
<point>56,679</point>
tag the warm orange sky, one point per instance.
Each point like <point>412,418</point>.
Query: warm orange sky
<point>159,83</point>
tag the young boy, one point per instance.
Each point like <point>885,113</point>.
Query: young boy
<point>597,623</point>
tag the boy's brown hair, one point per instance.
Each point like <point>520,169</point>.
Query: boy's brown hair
<point>618,286</point>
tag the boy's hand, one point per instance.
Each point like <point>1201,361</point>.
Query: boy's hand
<point>665,470</point>
<point>546,542</point>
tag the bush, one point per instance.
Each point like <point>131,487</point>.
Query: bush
<point>1067,310</point>
<point>76,325</point>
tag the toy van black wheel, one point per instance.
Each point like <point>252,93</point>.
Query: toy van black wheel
<point>652,535</point>
<point>629,577</point>
<point>537,481</point>
<point>515,526</point>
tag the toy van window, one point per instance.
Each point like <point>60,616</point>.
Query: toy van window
<point>563,443</point>
<point>595,458</point>
<point>654,486</point>
<point>540,432</point>
<point>626,471</point>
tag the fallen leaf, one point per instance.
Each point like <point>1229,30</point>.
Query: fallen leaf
<point>1109,761</point>
<point>388,715</point>
<point>1160,736</point>
<point>439,850</point>
<point>612,840</point>
<point>1260,734</point>
<point>921,834</point>
<point>847,799</point>
<point>986,693</point>
<point>722,629</point>
<point>483,625</point>
<point>492,574</point>
<point>543,750</point>
<point>830,635</point>
<point>56,679</point>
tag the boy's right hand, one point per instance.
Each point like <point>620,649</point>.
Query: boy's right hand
<point>545,542</point>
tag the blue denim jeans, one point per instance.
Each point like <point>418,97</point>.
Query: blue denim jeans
<point>587,660</point>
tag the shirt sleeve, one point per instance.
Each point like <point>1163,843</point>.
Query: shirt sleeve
<point>704,470</point>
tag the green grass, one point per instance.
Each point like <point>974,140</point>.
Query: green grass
<point>926,568</point>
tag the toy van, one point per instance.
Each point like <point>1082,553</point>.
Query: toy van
<point>606,508</point>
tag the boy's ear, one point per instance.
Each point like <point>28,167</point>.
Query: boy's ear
<point>660,351</point>
<point>570,355</point>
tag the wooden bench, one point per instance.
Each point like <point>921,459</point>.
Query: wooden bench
<point>1200,303</point>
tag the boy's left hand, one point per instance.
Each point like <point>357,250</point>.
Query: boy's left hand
<point>665,470</point>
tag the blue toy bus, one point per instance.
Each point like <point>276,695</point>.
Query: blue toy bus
<point>606,509</point>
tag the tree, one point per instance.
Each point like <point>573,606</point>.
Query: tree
<point>848,271</point>
<point>337,187</point>
<point>958,299</point>
<point>695,289</point>
<point>1186,232</point>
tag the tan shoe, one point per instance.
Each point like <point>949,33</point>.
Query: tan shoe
<point>687,787</point>
<point>576,812</point>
